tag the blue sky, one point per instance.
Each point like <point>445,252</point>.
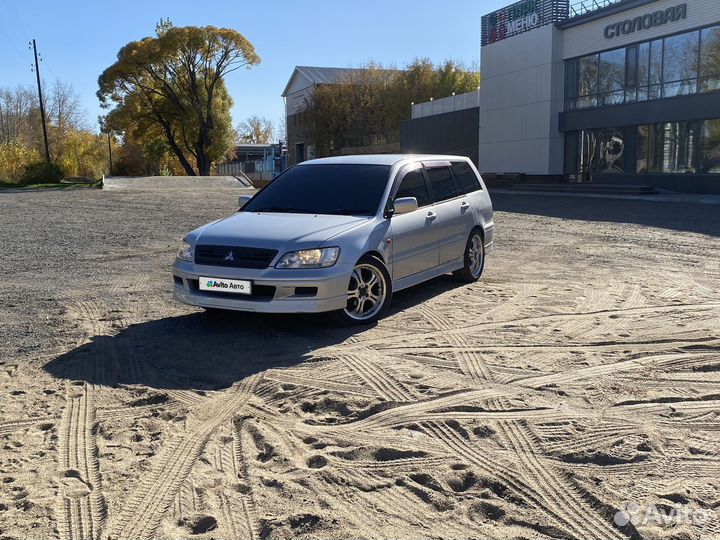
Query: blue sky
<point>77,40</point>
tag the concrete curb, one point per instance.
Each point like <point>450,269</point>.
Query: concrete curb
<point>174,182</point>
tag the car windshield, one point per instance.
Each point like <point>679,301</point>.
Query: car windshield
<point>341,189</point>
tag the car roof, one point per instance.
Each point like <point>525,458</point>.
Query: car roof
<point>381,159</point>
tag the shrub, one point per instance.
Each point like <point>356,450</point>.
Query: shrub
<point>42,172</point>
<point>14,156</point>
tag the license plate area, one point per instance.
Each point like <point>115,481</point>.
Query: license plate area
<point>222,285</point>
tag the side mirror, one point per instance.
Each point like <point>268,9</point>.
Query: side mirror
<point>243,200</point>
<point>405,205</point>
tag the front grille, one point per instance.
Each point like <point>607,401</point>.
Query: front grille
<point>261,293</point>
<point>236,257</point>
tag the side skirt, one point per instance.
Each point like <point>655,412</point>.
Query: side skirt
<point>445,268</point>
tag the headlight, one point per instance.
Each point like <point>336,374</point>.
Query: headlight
<point>185,252</point>
<point>309,258</point>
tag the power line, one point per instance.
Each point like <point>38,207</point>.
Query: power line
<point>6,35</point>
<point>18,18</point>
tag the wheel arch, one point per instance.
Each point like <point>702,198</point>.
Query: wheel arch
<point>376,254</point>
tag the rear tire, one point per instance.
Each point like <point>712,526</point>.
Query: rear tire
<point>369,292</point>
<point>474,258</point>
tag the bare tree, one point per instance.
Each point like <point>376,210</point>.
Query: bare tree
<point>281,130</point>
<point>255,130</point>
<point>64,109</point>
<point>18,109</point>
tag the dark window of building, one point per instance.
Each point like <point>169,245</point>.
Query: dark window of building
<point>674,66</point>
<point>643,139</point>
<point>587,152</point>
<point>571,153</point>
<point>710,59</point>
<point>667,148</point>
<point>655,73</point>
<point>442,183</point>
<point>680,144</point>
<point>588,81</point>
<point>612,77</point>
<point>611,151</point>
<point>464,175</point>
<point>710,147</point>
<point>643,71</point>
<point>631,73</point>
<point>655,148</point>
<point>680,64</point>
<point>571,84</point>
<point>413,185</point>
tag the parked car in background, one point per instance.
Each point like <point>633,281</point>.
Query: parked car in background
<point>341,234</point>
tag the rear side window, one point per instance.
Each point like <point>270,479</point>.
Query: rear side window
<point>413,185</point>
<point>442,183</point>
<point>465,176</point>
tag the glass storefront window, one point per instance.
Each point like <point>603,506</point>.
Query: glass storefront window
<point>710,147</point>
<point>643,71</point>
<point>571,84</point>
<point>588,81</point>
<point>631,73</point>
<point>667,148</point>
<point>612,77</point>
<point>655,73</point>
<point>611,151</point>
<point>643,148</point>
<point>680,141</point>
<point>680,64</point>
<point>655,148</point>
<point>674,66</point>
<point>710,59</point>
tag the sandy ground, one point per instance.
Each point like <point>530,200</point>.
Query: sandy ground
<point>582,373</point>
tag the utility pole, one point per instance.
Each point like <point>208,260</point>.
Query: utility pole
<point>42,105</point>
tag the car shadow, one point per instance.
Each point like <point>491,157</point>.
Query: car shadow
<point>678,216</point>
<point>211,351</point>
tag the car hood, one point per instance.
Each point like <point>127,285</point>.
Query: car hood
<point>274,230</point>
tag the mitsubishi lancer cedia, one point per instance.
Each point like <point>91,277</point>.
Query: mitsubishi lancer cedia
<point>341,234</point>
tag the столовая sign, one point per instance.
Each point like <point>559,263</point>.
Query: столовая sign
<point>647,21</point>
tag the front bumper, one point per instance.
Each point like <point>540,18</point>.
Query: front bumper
<point>273,290</point>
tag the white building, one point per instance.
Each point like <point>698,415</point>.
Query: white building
<point>609,91</point>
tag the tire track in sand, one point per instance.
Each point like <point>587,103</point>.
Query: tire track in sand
<point>386,386</point>
<point>16,425</point>
<point>82,511</point>
<point>142,514</point>
<point>577,516</point>
<point>574,519</point>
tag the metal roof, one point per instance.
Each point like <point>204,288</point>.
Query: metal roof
<point>322,75</point>
<point>253,145</point>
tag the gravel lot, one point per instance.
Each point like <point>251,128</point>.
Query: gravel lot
<point>582,373</point>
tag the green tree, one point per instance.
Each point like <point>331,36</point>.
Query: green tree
<point>366,106</point>
<point>172,86</point>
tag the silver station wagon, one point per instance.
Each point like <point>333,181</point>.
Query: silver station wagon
<point>341,234</point>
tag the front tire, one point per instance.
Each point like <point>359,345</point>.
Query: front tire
<point>474,258</point>
<point>369,292</point>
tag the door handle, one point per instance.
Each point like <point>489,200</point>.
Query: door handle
<point>464,205</point>
<point>431,216</point>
